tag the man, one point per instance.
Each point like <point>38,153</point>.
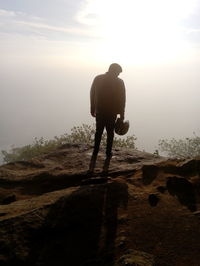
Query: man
<point>107,99</point>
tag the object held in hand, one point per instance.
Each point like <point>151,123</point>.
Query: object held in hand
<point>121,127</point>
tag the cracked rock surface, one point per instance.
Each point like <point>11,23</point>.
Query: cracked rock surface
<point>145,211</point>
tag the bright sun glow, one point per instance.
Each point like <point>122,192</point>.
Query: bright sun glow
<point>138,31</point>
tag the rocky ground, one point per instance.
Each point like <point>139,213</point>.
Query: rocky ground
<point>145,211</point>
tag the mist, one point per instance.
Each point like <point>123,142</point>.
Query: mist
<point>51,51</point>
<point>45,101</point>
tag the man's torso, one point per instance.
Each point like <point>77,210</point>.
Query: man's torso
<point>108,94</point>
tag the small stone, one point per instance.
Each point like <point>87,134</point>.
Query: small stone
<point>136,258</point>
<point>121,244</point>
<point>122,219</point>
<point>122,241</point>
<point>197,213</point>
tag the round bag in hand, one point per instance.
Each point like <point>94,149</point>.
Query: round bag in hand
<point>121,127</point>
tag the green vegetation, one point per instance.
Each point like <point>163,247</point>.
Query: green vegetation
<point>182,148</point>
<point>79,134</point>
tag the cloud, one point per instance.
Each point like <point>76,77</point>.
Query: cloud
<point>193,30</point>
<point>74,31</point>
<point>192,34</point>
<point>22,23</point>
<point>15,15</point>
<point>6,13</point>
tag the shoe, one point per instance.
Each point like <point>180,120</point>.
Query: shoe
<point>104,173</point>
<point>89,172</point>
<point>107,163</point>
<point>92,163</point>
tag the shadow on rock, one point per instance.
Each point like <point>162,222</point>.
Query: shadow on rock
<point>80,229</point>
<point>153,200</point>
<point>149,174</point>
<point>116,196</point>
<point>183,190</point>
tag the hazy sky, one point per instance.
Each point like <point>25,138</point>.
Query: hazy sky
<point>51,50</point>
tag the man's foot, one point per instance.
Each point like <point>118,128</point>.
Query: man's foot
<point>89,172</point>
<point>92,164</point>
<point>107,163</point>
<point>104,173</point>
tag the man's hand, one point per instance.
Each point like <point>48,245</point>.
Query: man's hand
<point>122,117</point>
<point>93,113</point>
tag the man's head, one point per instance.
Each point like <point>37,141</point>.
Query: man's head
<point>115,69</point>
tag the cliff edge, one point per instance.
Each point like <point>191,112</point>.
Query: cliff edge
<point>145,211</point>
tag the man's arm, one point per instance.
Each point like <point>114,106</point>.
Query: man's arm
<point>92,98</point>
<point>123,100</point>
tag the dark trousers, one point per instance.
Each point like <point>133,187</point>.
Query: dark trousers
<point>108,122</point>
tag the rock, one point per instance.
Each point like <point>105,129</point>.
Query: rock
<point>55,214</point>
<point>123,219</point>
<point>197,213</point>
<point>62,227</point>
<point>184,191</point>
<point>136,258</point>
<point>184,168</point>
<point>189,167</point>
<point>122,242</point>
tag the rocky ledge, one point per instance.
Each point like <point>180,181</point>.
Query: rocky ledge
<point>145,211</point>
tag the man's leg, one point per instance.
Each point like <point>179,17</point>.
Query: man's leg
<point>99,131</point>
<point>110,126</point>
<point>100,124</point>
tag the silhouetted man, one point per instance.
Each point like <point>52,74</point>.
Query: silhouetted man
<point>107,98</point>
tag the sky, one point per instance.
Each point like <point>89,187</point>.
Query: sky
<point>51,50</point>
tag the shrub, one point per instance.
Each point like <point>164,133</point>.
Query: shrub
<point>39,146</point>
<point>79,134</point>
<point>181,148</point>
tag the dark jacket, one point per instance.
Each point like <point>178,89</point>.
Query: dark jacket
<point>107,95</point>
